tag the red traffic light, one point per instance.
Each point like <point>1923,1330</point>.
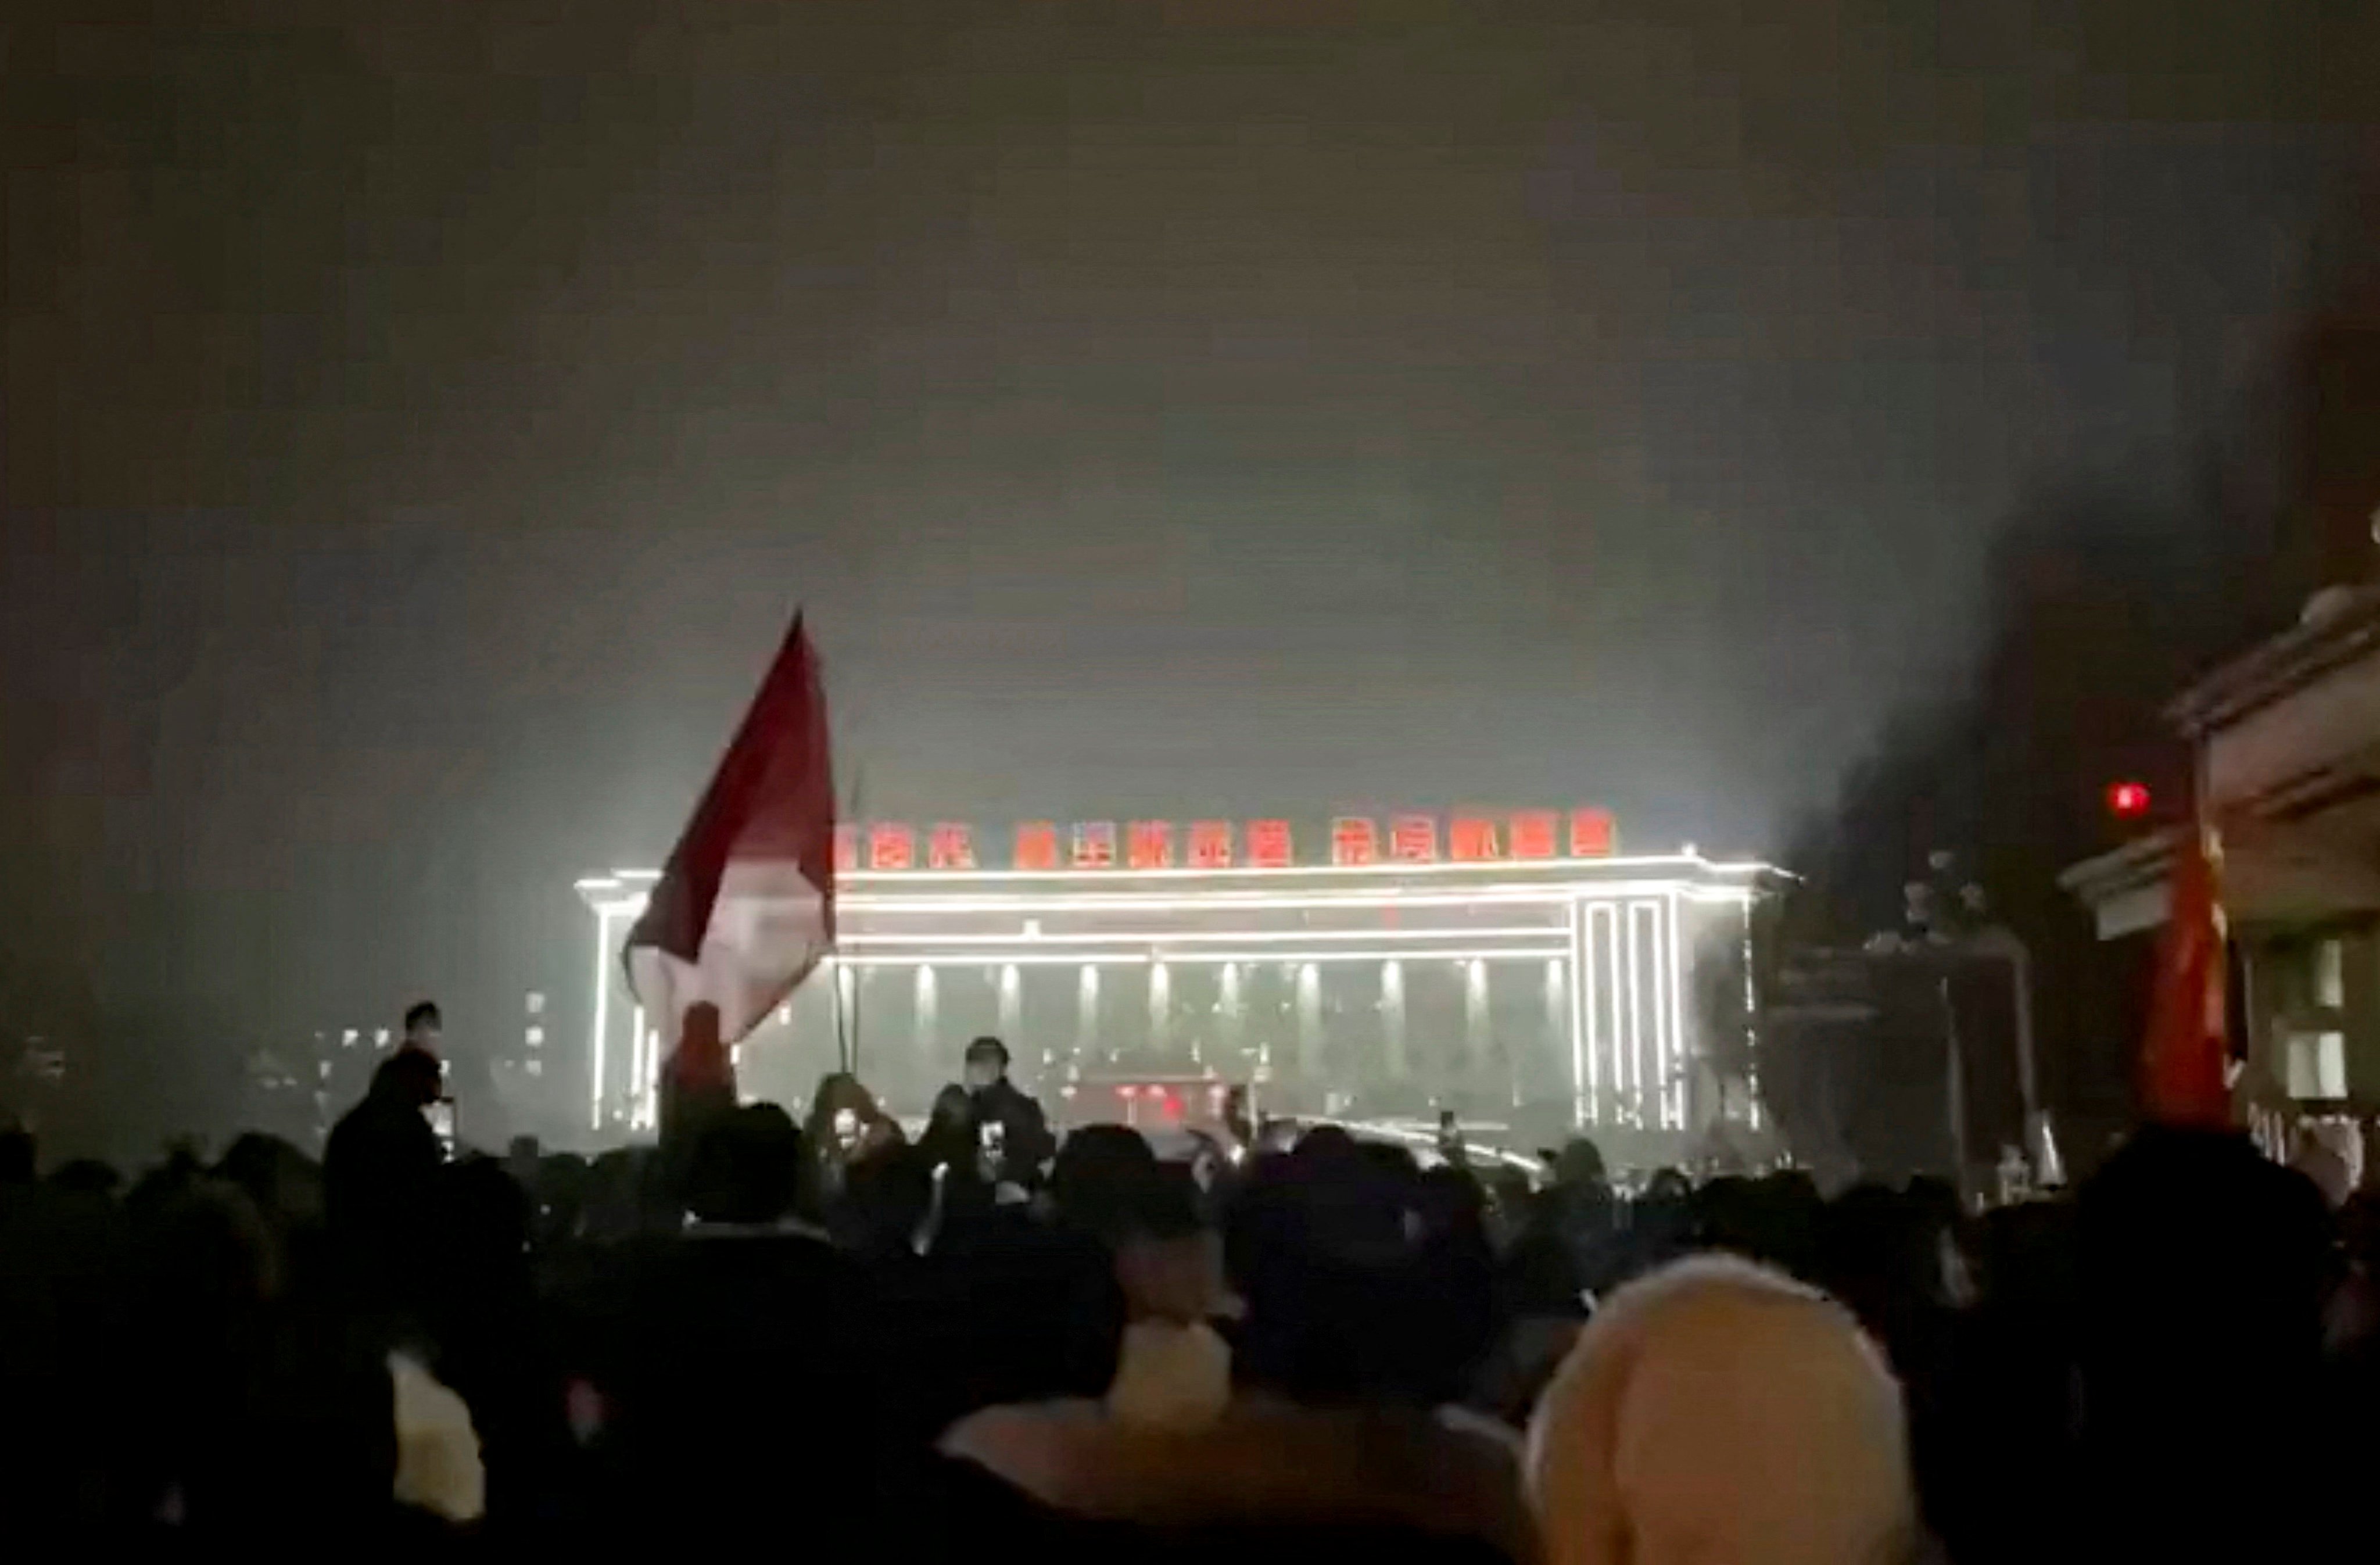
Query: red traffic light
<point>2127,801</point>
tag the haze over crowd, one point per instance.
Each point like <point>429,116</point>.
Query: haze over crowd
<point>419,426</point>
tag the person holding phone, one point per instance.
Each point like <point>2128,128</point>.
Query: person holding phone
<point>846,1125</point>
<point>1011,1137</point>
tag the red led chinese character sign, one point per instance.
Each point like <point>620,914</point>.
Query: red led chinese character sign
<point>847,849</point>
<point>1210,844</point>
<point>951,847</point>
<point>1355,839</point>
<point>1037,845</point>
<point>891,845</point>
<point>1413,839</point>
<point>1150,845</point>
<point>1268,845</point>
<point>1536,834</point>
<point>1471,837</point>
<point>1095,845</point>
<point>1590,834</point>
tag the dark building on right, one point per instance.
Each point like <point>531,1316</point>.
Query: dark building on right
<point>2283,742</point>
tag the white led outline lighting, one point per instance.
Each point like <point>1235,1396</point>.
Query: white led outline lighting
<point>943,958</point>
<point>1632,1019</point>
<point>1205,937</point>
<point>1678,1053</point>
<point>1655,967</point>
<point>1551,895</point>
<point>603,1017</point>
<point>1692,862</point>
<point>1665,1032</point>
<point>1553,995</point>
<point>653,1080</point>
<point>1751,1028</point>
<point>1260,897</point>
<point>1648,1084</point>
<point>1611,902</point>
<point>635,1065</point>
<point>1603,983</point>
<point>1587,1078</point>
<point>1623,968</point>
<point>1580,1094</point>
<point>1287,896</point>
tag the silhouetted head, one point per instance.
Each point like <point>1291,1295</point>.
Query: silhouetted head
<point>423,1025</point>
<point>87,1176</point>
<point>841,1112</point>
<point>1346,1302</point>
<point>987,1062</point>
<point>1101,1176</point>
<point>2194,1248</point>
<point>284,1184</point>
<point>2203,1268</point>
<point>1326,1147</point>
<point>951,1112</point>
<point>746,1168</point>
<point>412,1076</point>
<point>487,1216</point>
<point>885,1201</point>
<point>1579,1162</point>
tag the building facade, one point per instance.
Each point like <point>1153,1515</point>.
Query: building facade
<point>2287,744</point>
<point>1509,980</point>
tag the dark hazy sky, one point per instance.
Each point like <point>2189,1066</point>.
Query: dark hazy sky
<point>418,427</point>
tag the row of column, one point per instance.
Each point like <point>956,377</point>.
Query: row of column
<point>1602,1024</point>
<point>1227,1029</point>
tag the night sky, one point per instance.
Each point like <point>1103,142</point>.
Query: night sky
<point>418,427</point>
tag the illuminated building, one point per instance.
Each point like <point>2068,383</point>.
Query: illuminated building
<point>1552,988</point>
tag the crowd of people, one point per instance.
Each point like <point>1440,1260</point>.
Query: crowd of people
<point>989,1343</point>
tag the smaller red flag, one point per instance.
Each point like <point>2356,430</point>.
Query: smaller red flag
<point>2186,1053</point>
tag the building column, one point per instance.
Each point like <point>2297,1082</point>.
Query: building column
<point>1474,1013</point>
<point>1161,1006</point>
<point>925,1019</point>
<point>1087,1010</point>
<point>1011,1004</point>
<point>1309,1020</point>
<point>1232,1013</point>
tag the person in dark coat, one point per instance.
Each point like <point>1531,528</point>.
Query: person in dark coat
<point>380,1175</point>
<point>1011,1137</point>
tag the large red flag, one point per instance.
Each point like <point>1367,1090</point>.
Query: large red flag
<point>2186,1055</point>
<point>744,907</point>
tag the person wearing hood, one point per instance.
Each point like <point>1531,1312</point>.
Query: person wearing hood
<point>1719,1410</point>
